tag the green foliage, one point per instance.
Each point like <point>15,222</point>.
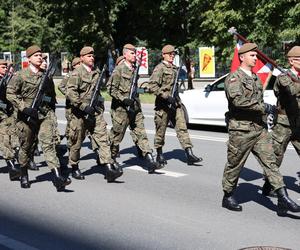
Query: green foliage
<point>61,25</point>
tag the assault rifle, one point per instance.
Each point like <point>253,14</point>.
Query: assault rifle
<point>134,90</point>
<point>175,92</point>
<point>97,99</point>
<point>175,96</point>
<point>261,55</point>
<point>40,95</point>
<point>3,84</point>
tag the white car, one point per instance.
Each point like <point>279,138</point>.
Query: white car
<point>207,106</point>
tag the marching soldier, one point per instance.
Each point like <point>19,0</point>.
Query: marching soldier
<point>161,83</point>
<point>287,128</point>
<point>248,133</point>
<point>62,88</point>
<point>80,88</point>
<point>7,122</point>
<point>119,60</point>
<point>21,92</point>
<point>120,84</point>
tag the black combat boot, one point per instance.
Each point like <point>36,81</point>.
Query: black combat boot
<point>32,165</point>
<point>267,189</point>
<point>285,203</point>
<point>112,172</point>
<point>191,158</point>
<point>230,203</point>
<point>118,168</point>
<point>59,181</point>
<point>24,181</point>
<point>159,157</point>
<point>76,173</point>
<point>13,171</point>
<point>153,165</point>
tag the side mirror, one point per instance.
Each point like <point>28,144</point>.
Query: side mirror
<point>208,88</point>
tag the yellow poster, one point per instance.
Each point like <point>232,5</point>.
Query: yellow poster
<point>207,61</point>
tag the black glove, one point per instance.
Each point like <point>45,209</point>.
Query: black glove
<point>31,112</point>
<point>171,100</point>
<point>270,109</point>
<point>89,110</point>
<point>128,101</point>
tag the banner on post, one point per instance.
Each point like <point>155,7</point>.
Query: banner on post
<point>65,63</point>
<point>24,60</point>
<point>144,68</point>
<point>207,62</point>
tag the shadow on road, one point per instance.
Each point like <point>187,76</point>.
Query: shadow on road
<point>37,233</point>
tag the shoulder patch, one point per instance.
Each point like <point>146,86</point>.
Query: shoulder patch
<point>233,80</point>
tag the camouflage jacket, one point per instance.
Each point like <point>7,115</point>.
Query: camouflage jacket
<point>23,88</point>
<point>119,85</point>
<point>161,82</point>
<point>80,87</point>
<point>62,86</point>
<point>245,100</point>
<point>287,92</point>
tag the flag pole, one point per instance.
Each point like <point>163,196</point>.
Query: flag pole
<point>261,55</point>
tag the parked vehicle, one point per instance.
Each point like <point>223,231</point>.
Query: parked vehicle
<point>207,106</point>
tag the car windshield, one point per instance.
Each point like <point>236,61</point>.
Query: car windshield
<point>219,84</point>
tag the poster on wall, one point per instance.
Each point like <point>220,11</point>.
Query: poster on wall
<point>24,60</point>
<point>207,61</point>
<point>65,63</point>
<point>7,56</point>
<point>144,64</point>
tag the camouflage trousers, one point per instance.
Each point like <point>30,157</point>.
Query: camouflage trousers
<point>68,113</point>
<point>239,146</point>
<point>161,120</point>
<point>120,122</point>
<point>79,128</point>
<point>45,133</point>
<point>9,140</point>
<point>282,135</point>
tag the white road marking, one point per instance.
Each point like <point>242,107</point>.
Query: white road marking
<point>165,172</point>
<point>14,244</point>
<point>62,122</point>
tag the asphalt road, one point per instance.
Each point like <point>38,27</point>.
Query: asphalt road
<point>180,208</point>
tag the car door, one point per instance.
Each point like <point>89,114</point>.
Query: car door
<point>207,106</point>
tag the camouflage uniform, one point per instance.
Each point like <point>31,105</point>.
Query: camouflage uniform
<point>120,83</point>
<point>21,92</point>
<point>161,83</point>
<point>8,135</point>
<point>287,128</point>
<point>247,130</point>
<point>62,88</point>
<point>80,87</point>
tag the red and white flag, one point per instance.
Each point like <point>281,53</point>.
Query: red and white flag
<point>261,69</point>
